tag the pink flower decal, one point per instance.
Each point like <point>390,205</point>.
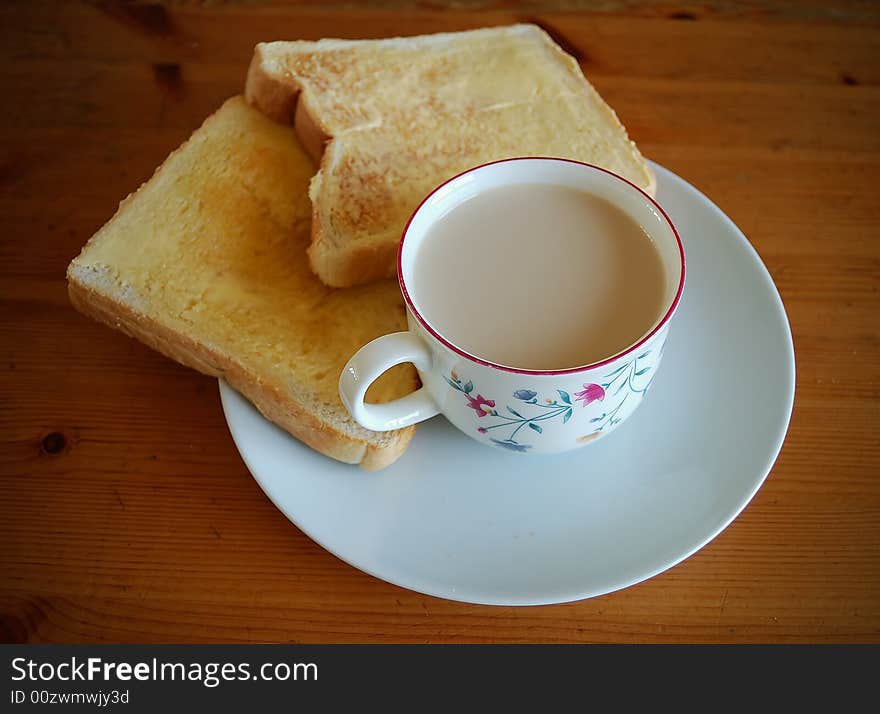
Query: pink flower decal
<point>590,393</point>
<point>480,404</point>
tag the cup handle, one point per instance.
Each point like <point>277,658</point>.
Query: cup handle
<point>368,363</point>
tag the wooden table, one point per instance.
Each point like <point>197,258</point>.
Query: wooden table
<point>126,513</point>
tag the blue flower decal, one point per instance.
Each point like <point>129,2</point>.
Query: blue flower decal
<point>525,394</point>
<point>512,445</point>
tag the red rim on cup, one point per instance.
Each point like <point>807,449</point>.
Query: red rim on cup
<point>473,358</point>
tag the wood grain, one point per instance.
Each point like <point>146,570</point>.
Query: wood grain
<point>126,513</point>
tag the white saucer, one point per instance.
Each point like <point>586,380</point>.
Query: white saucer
<point>457,520</point>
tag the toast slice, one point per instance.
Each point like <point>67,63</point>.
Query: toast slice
<point>389,120</point>
<point>206,263</point>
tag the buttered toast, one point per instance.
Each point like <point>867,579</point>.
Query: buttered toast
<point>206,263</point>
<point>388,120</point>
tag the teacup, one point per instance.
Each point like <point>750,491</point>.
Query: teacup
<point>519,410</point>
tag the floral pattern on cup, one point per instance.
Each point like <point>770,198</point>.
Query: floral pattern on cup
<point>536,413</point>
<point>628,379</point>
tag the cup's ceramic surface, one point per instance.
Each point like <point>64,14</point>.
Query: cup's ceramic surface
<point>525,411</point>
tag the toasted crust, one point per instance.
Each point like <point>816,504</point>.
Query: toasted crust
<point>275,99</point>
<point>104,285</point>
<point>344,267</point>
<point>401,143</point>
<point>291,416</point>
